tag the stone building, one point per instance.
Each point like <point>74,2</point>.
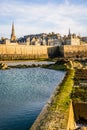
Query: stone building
<point>71,39</point>
<point>54,42</point>
<point>84,39</point>
<point>44,42</point>
<point>33,41</point>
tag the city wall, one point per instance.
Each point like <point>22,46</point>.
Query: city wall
<point>15,51</point>
<point>80,110</point>
<point>73,51</point>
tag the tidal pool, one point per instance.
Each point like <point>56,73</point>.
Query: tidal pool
<point>23,93</point>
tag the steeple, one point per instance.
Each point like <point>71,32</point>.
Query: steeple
<point>69,32</point>
<point>13,37</point>
<point>69,35</point>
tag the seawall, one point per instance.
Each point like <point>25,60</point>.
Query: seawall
<point>19,52</point>
<point>58,113</point>
<point>80,109</point>
<point>73,51</point>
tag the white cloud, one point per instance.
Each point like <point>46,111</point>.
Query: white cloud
<point>35,18</point>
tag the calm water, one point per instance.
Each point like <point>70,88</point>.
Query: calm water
<point>23,93</point>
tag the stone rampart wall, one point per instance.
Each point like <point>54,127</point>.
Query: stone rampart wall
<point>80,110</point>
<point>26,52</point>
<point>74,51</point>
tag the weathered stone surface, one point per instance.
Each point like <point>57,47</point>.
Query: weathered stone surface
<point>57,116</point>
<point>16,52</point>
<point>3,66</point>
<point>73,51</point>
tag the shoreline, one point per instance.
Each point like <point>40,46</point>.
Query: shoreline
<point>25,64</point>
<point>51,110</point>
<point>17,61</point>
<point>48,64</point>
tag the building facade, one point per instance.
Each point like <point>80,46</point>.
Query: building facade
<point>72,39</point>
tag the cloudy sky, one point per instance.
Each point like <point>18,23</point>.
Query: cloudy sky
<point>38,16</point>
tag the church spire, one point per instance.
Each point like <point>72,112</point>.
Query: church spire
<point>69,35</point>
<point>69,32</point>
<point>13,37</point>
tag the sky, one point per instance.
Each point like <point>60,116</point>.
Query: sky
<point>43,16</point>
